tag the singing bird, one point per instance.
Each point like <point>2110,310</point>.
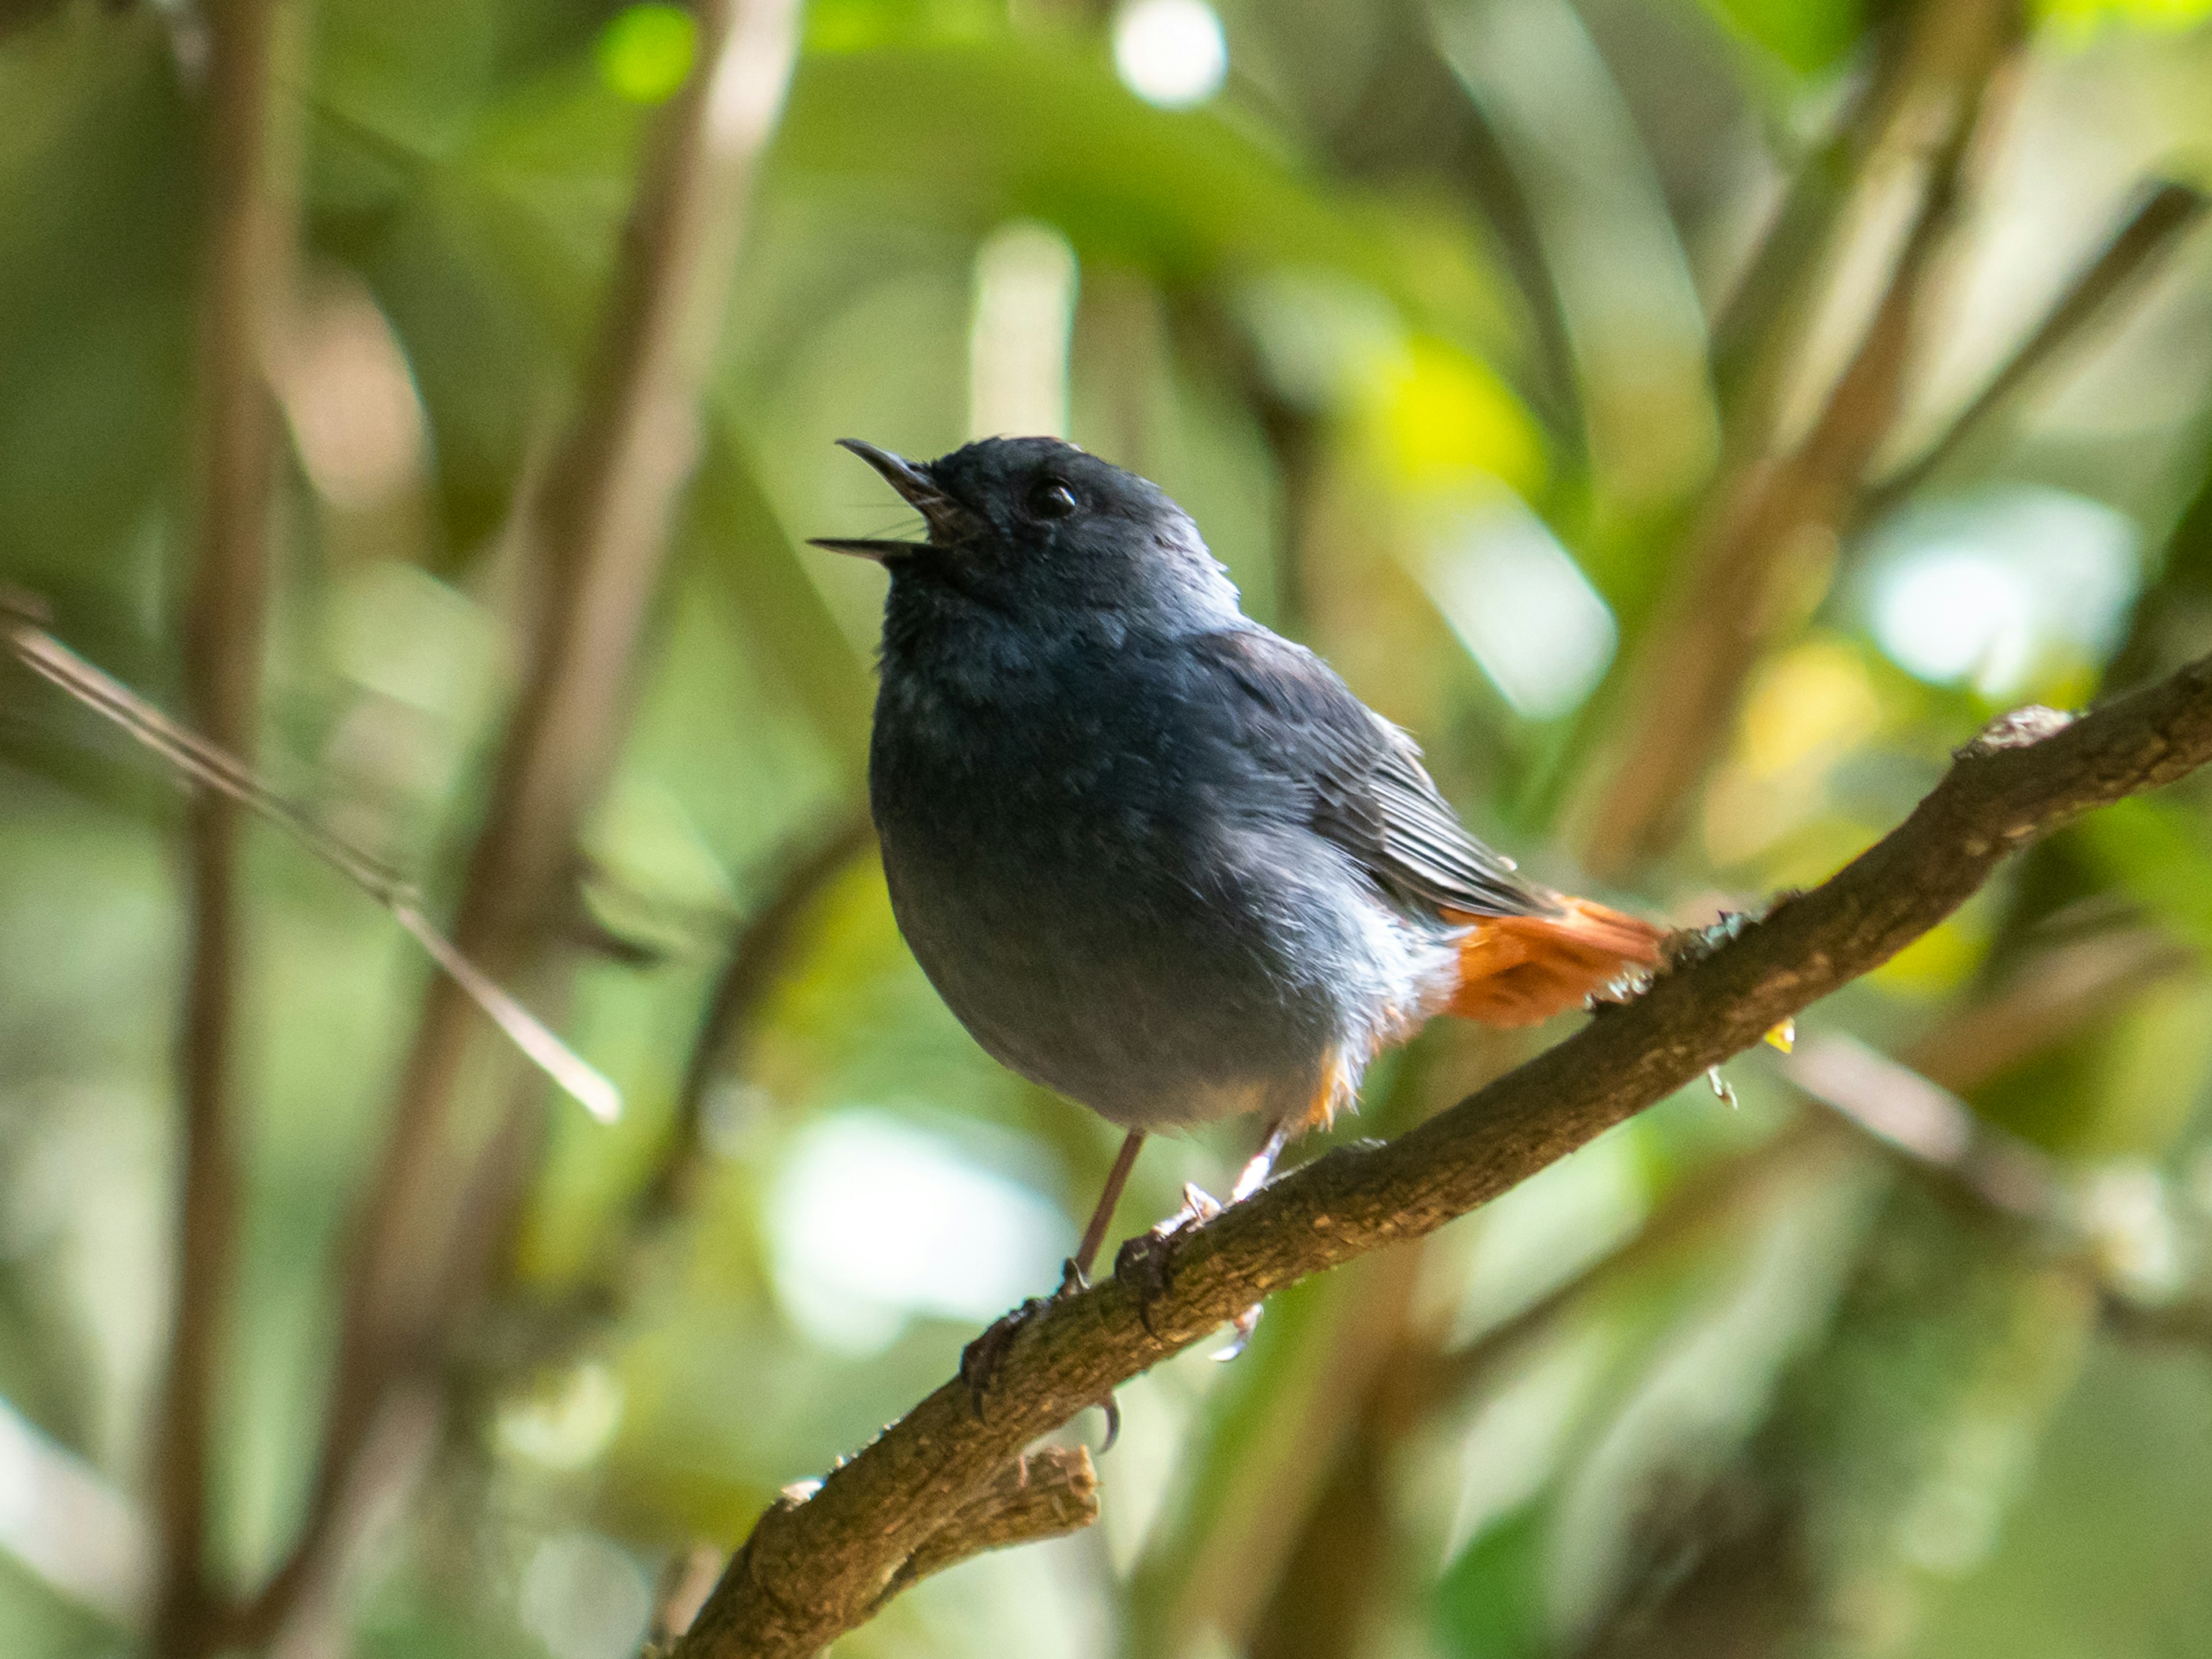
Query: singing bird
<point>1155,857</point>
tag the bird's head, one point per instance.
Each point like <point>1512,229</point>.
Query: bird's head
<point>1043,536</point>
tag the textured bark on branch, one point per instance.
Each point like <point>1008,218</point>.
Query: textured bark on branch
<point>815,1568</point>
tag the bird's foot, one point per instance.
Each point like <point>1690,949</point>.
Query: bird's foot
<point>980,1360</point>
<point>1146,1263</point>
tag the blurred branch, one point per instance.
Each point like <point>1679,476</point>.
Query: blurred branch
<point>1770,524</point>
<point>1757,328</point>
<point>2056,994</point>
<point>2060,990</point>
<point>2154,223</point>
<point>813,1569</point>
<point>686,1580</point>
<point>245,277</point>
<point>2185,1324</point>
<point>756,962</point>
<point>598,526</point>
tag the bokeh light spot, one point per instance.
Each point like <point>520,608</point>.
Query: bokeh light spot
<point>1171,52</point>
<point>646,51</point>
<point>874,1221</point>
<point>2004,589</point>
<point>585,1598</point>
<point>1524,609</point>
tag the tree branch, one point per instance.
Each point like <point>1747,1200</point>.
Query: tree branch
<point>1769,528</point>
<point>2155,223</point>
<point>246,263</point>
<point>598,526</point>
<point>1046,1493</point>
<point>814,1569</point>
<point>756,961</point>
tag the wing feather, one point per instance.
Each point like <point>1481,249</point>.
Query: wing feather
<point>1367,791</point>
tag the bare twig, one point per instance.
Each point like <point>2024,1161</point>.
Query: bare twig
<point>814,1569</point>
<point>1757,328</point>
<point>2153,224</point>
<point>598,526</point>
<point>1771,523</point>
<point>246,265</point>
<point>757,960</point>
<point>211,768</point>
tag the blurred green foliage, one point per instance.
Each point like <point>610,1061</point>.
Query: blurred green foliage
<point>1415,314</point>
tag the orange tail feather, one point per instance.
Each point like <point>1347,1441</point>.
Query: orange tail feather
<point>1516,970</point>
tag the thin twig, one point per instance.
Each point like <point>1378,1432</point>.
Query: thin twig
<point>2153,225</point>
<point>756,961</point>
<point>1757,331</point>
<point>247,260</point>
<point>212,769</point>
<point>1770,526</point>
<point>815,1568</point>
<point>598,527</point>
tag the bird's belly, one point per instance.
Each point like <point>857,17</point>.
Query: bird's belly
<point>1162,1002</point>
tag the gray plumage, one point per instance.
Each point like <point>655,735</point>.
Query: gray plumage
<point>1153,855</point>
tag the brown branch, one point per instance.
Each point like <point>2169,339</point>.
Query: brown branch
<point>2056,994</point>
<point>2153,224</point>
<point>247,260</point>
<point>1770,526</point>
<point>2185,1324</point>
<point>1759,329</point>
<point>1046,1493</point>
<point>814,1569</point>
<point>597,526</point>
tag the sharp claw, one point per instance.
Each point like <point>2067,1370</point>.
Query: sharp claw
<point>1199,1207</point>
<point>981,1359</point>
<point>1112,1407</point>
<point>1243,1325</point>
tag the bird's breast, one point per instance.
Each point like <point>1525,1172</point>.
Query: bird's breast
<point>1118,907</point>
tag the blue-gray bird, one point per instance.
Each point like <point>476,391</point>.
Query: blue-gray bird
<point>1156,858</point>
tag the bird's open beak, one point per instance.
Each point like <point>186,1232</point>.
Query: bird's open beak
<point>946,518</point>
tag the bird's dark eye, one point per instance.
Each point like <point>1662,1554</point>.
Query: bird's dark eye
<point>1051,499</point>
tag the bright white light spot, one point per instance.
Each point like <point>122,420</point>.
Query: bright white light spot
<point>1954,611</point>
<point>1171,52</point>
<point>1992,589</point>
<point>585,1598</point>
<point>568,1424</point>
<point>1523,607</point>
<point>344,385</point>
<point>874,1221</point>
<point>62,1520</point>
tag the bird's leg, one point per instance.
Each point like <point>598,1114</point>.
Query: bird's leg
<point>981,1359</point>
<point>1075,1270</point>
<point>1254,1177</point>
<point>1145,1258</point>
<point>1255,1174</point>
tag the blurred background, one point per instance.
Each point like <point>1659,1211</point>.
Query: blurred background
<point>1692,418</point>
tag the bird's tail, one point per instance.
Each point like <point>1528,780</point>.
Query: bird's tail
<point>1516,970</point>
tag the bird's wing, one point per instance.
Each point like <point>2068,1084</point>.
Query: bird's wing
<point>1365,787</point>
